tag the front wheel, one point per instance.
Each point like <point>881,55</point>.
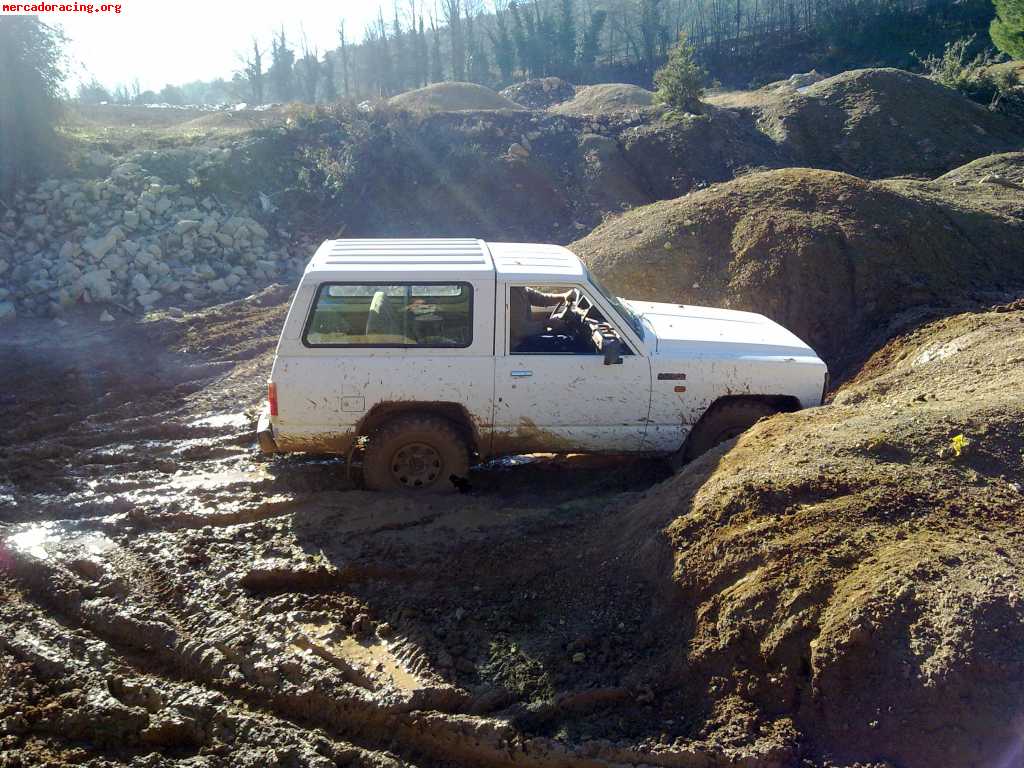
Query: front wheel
<point>726,421</point>
<point>415,453</point>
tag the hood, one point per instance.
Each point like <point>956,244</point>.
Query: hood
<point>714,331</point>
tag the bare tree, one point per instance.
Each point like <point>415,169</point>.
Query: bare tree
<point>452,10</point>
<point>252,71</point>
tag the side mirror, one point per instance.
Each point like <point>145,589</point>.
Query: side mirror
<point>612,349</point>
<point>609,344</point>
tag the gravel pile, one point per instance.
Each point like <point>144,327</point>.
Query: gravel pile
<point>128,240</point>
<point>540,93</point>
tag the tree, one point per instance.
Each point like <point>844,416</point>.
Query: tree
<point>252,73</point>
<point>590,46</point>
<point>652,31</point>
<point>30,58</point>
<point>422,56</point>
<point>281,68</point>
<point>1007,28</point>
<point>308,72</point>
<point>171,94</point>
<point>93,92</point>
<point>504,47</point>
<point>680,83</point>
<point>328,86</point>
<point>343,57</point>
<point>566,38</point>
<point>453,15</point>
<point>436,64</point>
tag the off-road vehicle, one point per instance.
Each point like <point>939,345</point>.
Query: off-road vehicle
<point>430,355</point>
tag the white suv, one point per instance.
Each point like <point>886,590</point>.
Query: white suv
<point>444,352</point>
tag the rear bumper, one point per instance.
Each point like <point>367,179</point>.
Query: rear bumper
<point>265,433</point>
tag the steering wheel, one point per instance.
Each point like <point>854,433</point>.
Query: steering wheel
<point>567,303</point>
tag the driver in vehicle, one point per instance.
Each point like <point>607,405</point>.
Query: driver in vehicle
<point>525,322</point>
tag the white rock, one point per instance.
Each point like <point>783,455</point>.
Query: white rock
<point>148,299</point>
<point>131,219</point>
<point>97,283</point>
<point>140,283</point>
<point>106,317</point>
<point>7,311</point>
<point>99,247</point>
<point>218,286</point>
<point>185,225</point>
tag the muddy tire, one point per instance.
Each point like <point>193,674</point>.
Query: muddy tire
<point>415,453</point>
<point>724,422</point>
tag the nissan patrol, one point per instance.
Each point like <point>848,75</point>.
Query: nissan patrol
<point>433,354</point>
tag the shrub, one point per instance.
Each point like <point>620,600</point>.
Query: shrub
<point>680,83</point>
<point>1007,28</point>
<point>976,77</point>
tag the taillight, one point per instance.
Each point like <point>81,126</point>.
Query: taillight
<point>272,397</point>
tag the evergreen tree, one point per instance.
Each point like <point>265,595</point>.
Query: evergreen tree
<point>652,31</point>
<point>504,47</point>
<point>30,59</point>
<point>566,39</point>
<point>328,82</point>
<point>453,15</point>
<point>343,55</point>
<point>1007,28</point>
<point>680,83</point>
<point>521,39</point>
<point>436,63</point>
<point>282,62</point>
<point>590,47</point>
<point>422,56</point>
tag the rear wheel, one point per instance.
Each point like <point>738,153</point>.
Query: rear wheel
<point>415,453</point>
<point>724,422</point>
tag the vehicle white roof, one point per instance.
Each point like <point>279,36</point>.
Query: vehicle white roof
<point>535,262</point>
<point>444,258</point>
<point>447,257</point>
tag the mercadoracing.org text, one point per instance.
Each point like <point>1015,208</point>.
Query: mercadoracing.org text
<point>60,8</point>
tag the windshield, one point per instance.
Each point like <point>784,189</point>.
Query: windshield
<point>625,312</point>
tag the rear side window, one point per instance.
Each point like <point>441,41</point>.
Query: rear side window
<point>431,315</point>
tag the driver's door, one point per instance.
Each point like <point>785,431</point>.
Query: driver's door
<point>566,402</point>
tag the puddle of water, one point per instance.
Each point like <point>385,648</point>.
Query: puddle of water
<point>45,541</point>
<point>371,658</point>
<point>238,420</point>
<point>218,479</point>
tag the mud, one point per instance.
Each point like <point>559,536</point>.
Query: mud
<point>834,588</point>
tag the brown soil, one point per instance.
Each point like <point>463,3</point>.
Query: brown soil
<point>843,573</point>
<point>837,586</point>
<point>452,97</point>
<point>876,123</point>
<point>605,99</point>
<point>833,257</point>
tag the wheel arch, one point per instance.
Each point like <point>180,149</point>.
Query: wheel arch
<point>455,413</point>
<point>782,404</point>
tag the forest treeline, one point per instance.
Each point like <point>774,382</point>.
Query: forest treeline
<point>740,42</point>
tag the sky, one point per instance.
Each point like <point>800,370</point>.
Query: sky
<point>178,41</point>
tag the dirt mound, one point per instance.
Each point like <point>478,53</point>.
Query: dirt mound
<point>830,256</point>
<point>883,122</point>
<point>451,97</point>
<point>540,93</point>
<point>854,571</point>
<point>605,99</point>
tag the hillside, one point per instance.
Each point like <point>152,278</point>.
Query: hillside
<point>833,257</point>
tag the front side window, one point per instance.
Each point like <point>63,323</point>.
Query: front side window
<point>429,315</point>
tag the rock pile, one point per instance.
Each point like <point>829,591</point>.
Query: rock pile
<point>540,93</point>
<point>130,240</point>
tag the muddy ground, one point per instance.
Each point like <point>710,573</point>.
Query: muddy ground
<point>838,588</point>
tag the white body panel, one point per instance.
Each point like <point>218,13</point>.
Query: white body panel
<point>526,402</point>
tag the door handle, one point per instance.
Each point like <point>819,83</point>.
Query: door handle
<point>521,374</point>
